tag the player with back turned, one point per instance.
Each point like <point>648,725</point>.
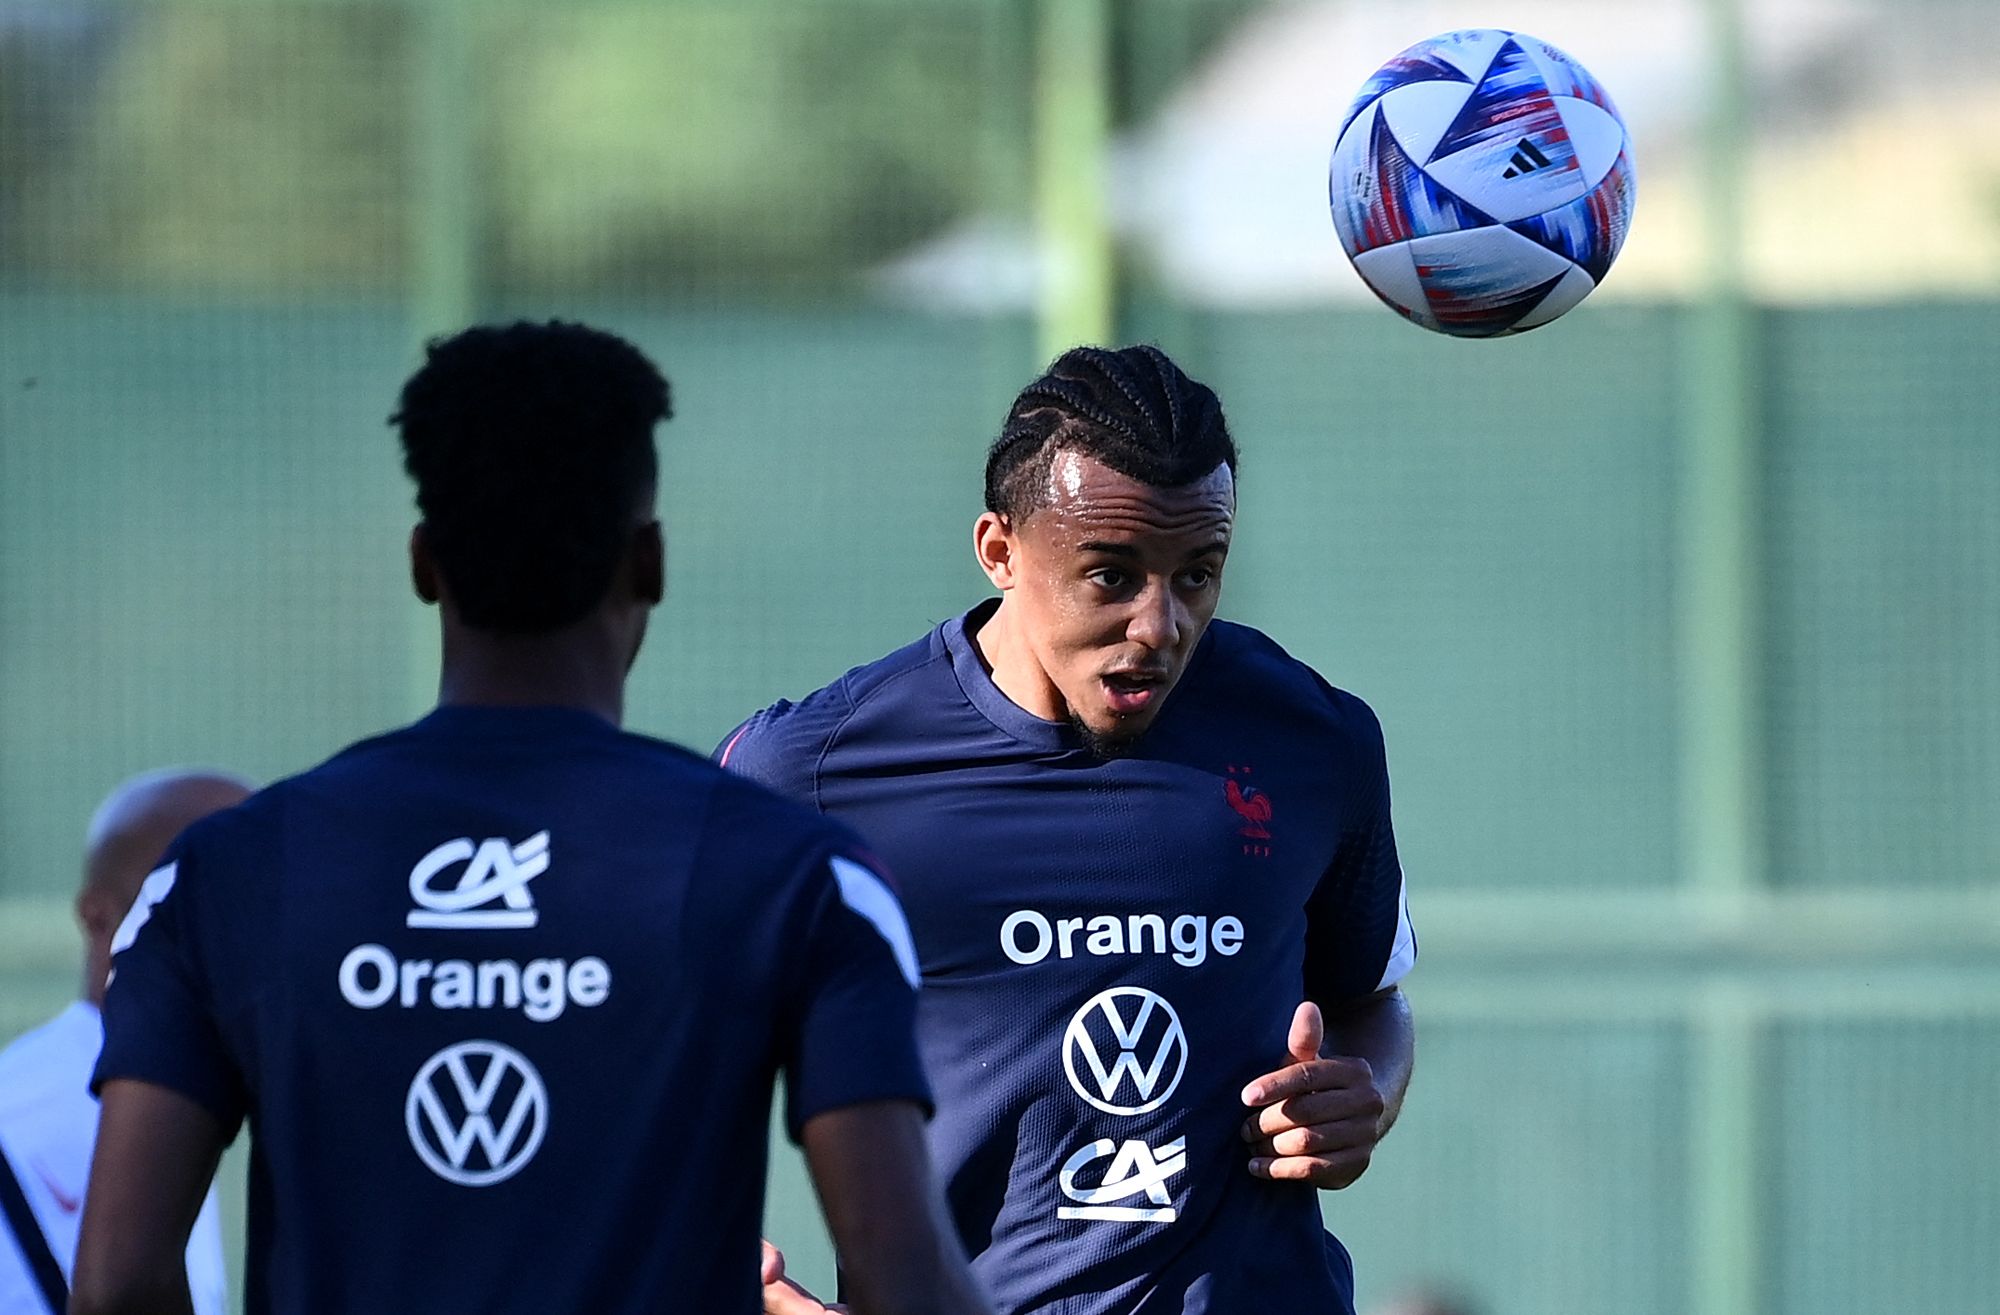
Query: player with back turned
<point>1149,869</point>
<point>504,993</point>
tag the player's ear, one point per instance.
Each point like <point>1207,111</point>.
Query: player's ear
<point>93,913</point>
<point>424,575</point>
<point>649,563</point>
<point>994,544</point>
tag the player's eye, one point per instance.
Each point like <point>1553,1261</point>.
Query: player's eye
<point>1107,577</point>
<point>1198,577</point>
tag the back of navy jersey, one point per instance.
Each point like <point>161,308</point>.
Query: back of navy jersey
<point>503,996</point>
<point>1111,949</point>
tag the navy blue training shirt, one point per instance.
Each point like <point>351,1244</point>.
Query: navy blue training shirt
<point>1111,950</point>
<point>503,996</point>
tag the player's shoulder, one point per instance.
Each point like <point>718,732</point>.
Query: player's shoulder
<point>379,769</point>
<point>635,762</point>
<point>748,825</point>
<point>247,831</point>
<point>381,762</point>
<point>1248,664</point>
<point>783,745</point>
<point>764,851</point>
<point>743,804</point>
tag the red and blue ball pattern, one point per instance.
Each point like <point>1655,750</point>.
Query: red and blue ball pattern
<point>1482,183</point>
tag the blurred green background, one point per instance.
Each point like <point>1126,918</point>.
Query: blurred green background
<point>1682,614</point>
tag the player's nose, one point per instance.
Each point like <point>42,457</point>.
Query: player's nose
<point>1156,619</point>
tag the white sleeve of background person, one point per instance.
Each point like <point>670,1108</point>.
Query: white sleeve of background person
<point>208,1277</point>
<point>1403,951</point>
<point>870,896</point>
<point>48,1125</point>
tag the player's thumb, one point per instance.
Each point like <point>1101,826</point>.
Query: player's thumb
<point>1308,1030</point>
<point>787,1298</point>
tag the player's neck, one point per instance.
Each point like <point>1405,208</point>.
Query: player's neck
<point>1014,668</point>
<point>567,669</point>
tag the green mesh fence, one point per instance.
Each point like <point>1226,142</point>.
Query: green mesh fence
<point>1883,475</point>
<point>1480,544</point>
<point>1559,1183</point>
<point>1887,1207</point>
<point>225,227</point>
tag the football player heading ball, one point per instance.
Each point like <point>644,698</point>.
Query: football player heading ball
<point>1149,870</point>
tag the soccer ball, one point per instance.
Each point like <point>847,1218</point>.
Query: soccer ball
<point>1482,183</point>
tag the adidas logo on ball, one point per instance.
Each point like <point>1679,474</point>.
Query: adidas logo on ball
<point>1526,160</point>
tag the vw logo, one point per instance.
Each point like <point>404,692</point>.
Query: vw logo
<point>453,1104</point>
<point>1125,1051</point>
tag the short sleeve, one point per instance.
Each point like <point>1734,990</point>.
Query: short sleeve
<point>851,1037</point>
<point>159,1024</point>
<point>781,747</point>
<point>762,749</point>
<point>1358,933</point>
<point>734,753</point>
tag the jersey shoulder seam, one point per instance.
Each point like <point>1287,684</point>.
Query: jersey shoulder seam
<point>854,706</point>
<point>833,733</point>
<point>1264,646</point>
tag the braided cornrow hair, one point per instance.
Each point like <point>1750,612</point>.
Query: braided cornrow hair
<point>1132,409</point>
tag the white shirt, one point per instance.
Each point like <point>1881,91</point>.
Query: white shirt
<point>48,1126</point>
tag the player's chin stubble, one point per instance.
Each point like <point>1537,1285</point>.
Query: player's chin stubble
<point>1103,747</point>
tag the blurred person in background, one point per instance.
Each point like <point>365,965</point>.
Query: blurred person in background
<point>48,1121</point>
<point>505,993</point>
<point>1150,871</point>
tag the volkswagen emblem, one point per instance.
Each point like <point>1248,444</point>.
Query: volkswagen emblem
<point>1125,1051</point>
<point>477,1112</point>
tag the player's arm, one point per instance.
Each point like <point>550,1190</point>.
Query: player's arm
<point>898,1251</point>
<point>1352,1043</point>
<point>1379,1030</point>
<point>856,1099</point>
<point>1351,1053</point>
<point>156,1154</point>
<point>171,1098</point>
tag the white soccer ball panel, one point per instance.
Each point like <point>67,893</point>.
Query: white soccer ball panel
<point>1392,274</point>
<point>1595,133</point>
<point>1575,286</point>
<point>1478,283</point>
<point>1518,174</point>
<point>1420,112</point>
<point>1500,257</point>
<point>1351,179</point>
<point>1564,76</point>
<point>1470,49</point>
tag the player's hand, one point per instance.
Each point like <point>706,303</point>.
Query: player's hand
<point>1317,1120</point>
<point>784,1297</point>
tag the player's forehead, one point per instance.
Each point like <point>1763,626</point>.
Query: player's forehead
<point>1089,502</point>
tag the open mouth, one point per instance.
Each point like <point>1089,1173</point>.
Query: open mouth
<point>1129,692</point>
